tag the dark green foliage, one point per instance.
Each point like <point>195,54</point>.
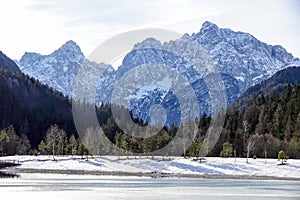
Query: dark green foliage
<point>273,120</point>
<point>42,147</point>
<point>31,107</point>
<point>4,140</point>
<point>24,145</point>
<point>11,143</point>
<point>227,150</point>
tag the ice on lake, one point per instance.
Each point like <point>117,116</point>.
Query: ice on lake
<point>88,187</point>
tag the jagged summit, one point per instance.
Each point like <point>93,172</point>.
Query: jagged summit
<point>210,25</point>
<point>71,46</point>
<point>70,49</point>
<point>71,43</point>
<point>148,43</point>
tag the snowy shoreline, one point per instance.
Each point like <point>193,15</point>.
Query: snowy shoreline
<point>212,167</point>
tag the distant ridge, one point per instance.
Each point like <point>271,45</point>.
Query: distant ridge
<point>276,83</point>
<point>7,63</point>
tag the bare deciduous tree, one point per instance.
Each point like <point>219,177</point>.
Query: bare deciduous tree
<point>250,145</point>
<point>52,137</point>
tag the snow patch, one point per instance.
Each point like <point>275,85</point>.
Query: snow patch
<point>178,165</point>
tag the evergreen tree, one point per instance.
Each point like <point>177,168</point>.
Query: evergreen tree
<point>4,140</point>
<point>24,145</point>
<point>62,143</point>
<point>288,129</point>
<point>42,147</point>
<point>119,144</point>
<point>13,141</point>
<point>72,145</point>
<point>227,150</point>
<point>80,148</point>
<point>147,145</point>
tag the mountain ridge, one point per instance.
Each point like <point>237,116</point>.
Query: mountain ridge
<point>7,63</point>
<point>275,84</point>
<point>242,60</point>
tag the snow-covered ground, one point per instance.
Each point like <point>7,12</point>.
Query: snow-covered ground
<point>212,166</point>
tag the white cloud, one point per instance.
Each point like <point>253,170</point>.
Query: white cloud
<point>43,26</point>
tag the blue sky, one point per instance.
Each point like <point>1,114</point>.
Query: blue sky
<point>43,26</point>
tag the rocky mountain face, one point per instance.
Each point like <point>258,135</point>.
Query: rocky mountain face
<point>59,69</point>
<point>241,55</point>
<point>183,57</point>
<point>241,59</point>
<point>7,63</point>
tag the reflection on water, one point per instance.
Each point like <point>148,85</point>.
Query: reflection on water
<point>8,175</point>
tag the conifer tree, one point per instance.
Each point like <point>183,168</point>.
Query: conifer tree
<point>42,147</point>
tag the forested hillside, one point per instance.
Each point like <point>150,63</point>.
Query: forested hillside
<point>267,125</point>
<point>31,107</point>
<point>28,109</point>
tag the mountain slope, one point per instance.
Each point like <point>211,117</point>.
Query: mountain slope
<point>277,83</point>
<point>7,63</point>
<point>31,107</point>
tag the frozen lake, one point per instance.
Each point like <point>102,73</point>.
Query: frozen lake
<point>85,187</point>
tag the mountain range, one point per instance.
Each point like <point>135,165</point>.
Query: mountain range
<point>241,59</point>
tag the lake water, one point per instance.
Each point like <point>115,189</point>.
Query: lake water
<point>87,187</point>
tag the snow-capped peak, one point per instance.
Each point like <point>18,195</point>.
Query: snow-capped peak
<point>148,43</point>
<point>70,49</point>
<point>209,25</point>
<point>241,55</point>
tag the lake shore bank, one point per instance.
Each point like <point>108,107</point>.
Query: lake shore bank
<point>211,167</point>
<point>141,174</point>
